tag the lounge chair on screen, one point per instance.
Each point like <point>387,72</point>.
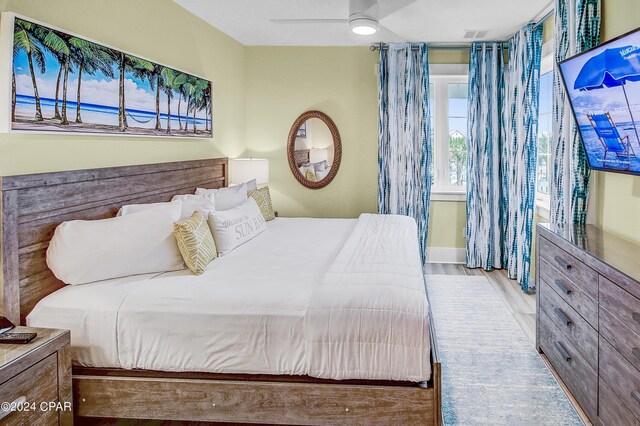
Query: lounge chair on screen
<point>610,138</point>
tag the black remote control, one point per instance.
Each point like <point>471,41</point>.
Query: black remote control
<point>17,338</point>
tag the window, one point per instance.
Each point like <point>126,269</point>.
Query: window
<point>431,113</point>
<point>457,117</point>
<point>545,135</point>
<point>449,135</point>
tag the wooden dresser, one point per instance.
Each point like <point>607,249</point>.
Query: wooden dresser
<point>35,379</point>
<point>588,318</point>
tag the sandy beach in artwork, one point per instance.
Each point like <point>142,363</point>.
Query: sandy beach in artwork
<point>51,125</point>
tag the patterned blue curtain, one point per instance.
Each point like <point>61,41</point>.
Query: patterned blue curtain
<point>503,127</point>
<point>486,205</point>
<point>404,135</point>
<point>577,28</point>
<point>523,92</point>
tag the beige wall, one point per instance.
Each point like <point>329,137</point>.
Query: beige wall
<point>282,83</point>
<point>618,196</point>
<point>259,91</point>
<point>159,30</point>
<point>447,221</point>
<point>548,29</point>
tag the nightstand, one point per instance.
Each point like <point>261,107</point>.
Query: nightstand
<point>35,379</point>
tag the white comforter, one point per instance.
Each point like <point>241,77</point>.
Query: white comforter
<point>368,318</point>
<point>268,307</point>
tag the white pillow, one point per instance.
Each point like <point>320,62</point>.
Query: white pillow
<point>321,175</point>
<point>226,198</point>
<point>136,208</point>
<point>191,203</point>
<point>320,166</point>
<point>252,185</point>
<point>234,227</point>
<point>84,251</point>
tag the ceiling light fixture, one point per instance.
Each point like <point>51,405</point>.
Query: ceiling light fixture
<point>364,26</point>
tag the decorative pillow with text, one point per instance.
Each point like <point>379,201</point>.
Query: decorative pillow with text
<point>234,227</point>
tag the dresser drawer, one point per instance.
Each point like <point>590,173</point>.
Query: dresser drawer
<point>621,304</point>
<point>620,336</point>
<point>571,293</point>
<point>36,384</point>
<point>571,268</point>
<point>621,376</point>
<point>575,328</point>
<point>574,370</point>
<point>611,410</point>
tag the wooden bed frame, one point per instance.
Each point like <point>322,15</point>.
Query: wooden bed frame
<point>33,205</point>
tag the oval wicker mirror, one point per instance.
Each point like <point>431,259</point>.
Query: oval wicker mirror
<point>314,149</point>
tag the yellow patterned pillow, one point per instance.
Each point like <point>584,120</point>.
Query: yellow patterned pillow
<point>195,242</point>
<point>263,199</point>
<point>310,175</point>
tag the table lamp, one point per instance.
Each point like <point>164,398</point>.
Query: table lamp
<point>246,169</point>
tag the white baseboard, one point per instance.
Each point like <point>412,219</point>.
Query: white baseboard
<point>446,255</point>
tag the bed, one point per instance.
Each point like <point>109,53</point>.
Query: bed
<point>133,338</point>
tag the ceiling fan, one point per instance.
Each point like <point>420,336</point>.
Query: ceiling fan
<point>364,16</point>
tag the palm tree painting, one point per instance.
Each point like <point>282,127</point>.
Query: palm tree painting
<point>65,83</point>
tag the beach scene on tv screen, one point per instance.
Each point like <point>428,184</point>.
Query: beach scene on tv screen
<point>604,89</point>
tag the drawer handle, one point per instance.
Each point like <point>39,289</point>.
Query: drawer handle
<point>636,316</point>
<point>5,412</point>
<point>563,263</point>
<point>562,351</point>
<point>563,317</point>
<point>562,287</point>
<point>636,353</point>
<point>636,397</point>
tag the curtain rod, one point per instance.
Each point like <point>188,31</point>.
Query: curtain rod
<point>375,47</point>
<point>544,18</point>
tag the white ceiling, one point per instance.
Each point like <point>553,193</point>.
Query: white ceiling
<point>439,21</point>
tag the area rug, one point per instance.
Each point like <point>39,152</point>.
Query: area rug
<point>491,374</point>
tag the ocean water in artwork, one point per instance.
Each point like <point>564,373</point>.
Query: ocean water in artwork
<point>100,114</point>
<point>63,83</point>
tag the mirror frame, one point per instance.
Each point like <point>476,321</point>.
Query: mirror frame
<point>337,149</point>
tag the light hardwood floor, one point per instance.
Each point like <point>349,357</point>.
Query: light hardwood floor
<point>521,304</point>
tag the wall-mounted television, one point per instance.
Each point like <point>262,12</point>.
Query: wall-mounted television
<point>603,85</point>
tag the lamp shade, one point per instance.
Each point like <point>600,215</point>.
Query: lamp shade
<point>246,169</point>
<point>317,155</point>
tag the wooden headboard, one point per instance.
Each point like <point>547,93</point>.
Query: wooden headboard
<point>33,205</point>
<point>301,156</point>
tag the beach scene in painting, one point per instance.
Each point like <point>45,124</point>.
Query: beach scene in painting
<point>64,83</point>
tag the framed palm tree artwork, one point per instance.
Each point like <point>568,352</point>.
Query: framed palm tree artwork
<point>64,83</point>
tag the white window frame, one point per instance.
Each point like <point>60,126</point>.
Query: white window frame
<point>543,201</point>
<point>442,190</point>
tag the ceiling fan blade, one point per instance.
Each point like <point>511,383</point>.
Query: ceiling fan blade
<point>386,35</point>
<point>388,7</point>
<point>310,21</point>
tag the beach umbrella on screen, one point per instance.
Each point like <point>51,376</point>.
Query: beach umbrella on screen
<point>612,68</point>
